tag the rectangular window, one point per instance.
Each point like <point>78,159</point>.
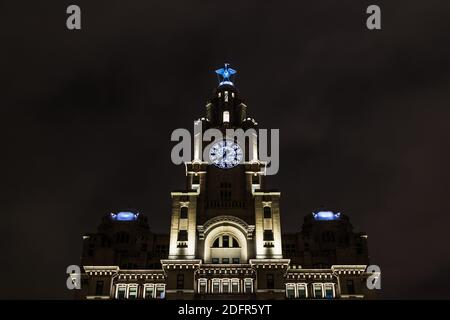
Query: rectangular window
<point>148,293</point>
<point>225,287</point>
<point>226,114</point>
<point>236,260</point>
<point>225,241</point>
<point>202,287</point>
<point>301,292</point>
<point>183,213</point>
<point>225,260</point>
<point>270,281</point>
<point>248,286</point>
<point>121,291</point>
<point>215,260</point>
<point>235,286</point>
<point>350,286</point>
<point>267,212</point>
<point>182,235</point>
<point>132,293</point>
<point>215,287</point>
<point>268,235</point>
<point>329,292</point>
<point>180,281</point>
<point>99,288</point>
<point>318,291</point>
<point>160,292</point>
<point>290,291</point>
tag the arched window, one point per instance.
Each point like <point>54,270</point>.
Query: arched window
<point>225,241</point>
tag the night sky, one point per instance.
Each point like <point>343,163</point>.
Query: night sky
<point>86,118</point>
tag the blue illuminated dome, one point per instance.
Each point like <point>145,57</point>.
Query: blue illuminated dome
<point>326,215</point>
<point>125,216</point>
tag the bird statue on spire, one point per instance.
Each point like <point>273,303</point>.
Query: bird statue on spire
<point>225,75</point>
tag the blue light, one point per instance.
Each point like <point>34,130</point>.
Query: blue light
<point>124,216</point>
<point>326,215</point>
<point>225,74</point>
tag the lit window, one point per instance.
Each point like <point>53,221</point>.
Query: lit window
<point>225,241</point>
<point>329,291</point>
<point>226,116</point>
<point>248,285</point>
<point>132,292</point>
<point>301,291</point>
<point>216,286</point>
<point>202,286</point>
<point>225,286</point>
<point>235,286</point>
<point>148,292</point>
<point>160,292</point>
<point>290,291</point>
<point>121,292</point>
<point>318,293</point>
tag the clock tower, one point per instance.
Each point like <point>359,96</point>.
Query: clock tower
<point>225,236</point>
<point>225,214</point>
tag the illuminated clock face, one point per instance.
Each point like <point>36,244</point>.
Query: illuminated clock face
<point>225,154</point>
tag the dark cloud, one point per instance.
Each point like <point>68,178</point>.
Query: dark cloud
<point>86,119</point>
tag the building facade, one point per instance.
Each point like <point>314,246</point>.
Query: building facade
<point>225,239</point>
